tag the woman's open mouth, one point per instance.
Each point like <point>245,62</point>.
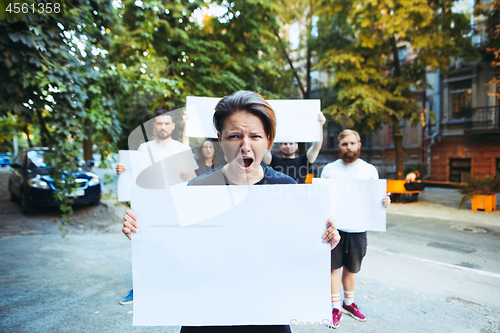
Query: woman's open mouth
<point>245,163</point>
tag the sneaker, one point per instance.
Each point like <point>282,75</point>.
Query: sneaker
<point>128,299</point>
<point>336,318</point>
<point>353,311</point>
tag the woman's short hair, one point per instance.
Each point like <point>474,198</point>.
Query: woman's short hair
<point>250,102</point>
<point>348,132</point>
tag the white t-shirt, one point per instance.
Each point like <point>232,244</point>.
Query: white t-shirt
<point>357,170</point>
<point>182,158</point>
<point>160,152</point>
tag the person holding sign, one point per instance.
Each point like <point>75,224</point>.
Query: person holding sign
<point>346,258</point>
<point>246,127</point>
<point>208,159</point>
<point>163,145</point>
<point>292,165</point>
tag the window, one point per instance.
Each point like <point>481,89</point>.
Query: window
<point>294,36</point>
<point>402,55</point>
<point>460,98</point>
<point>498,90</point>
<point>459,170</point>
<point>497,169</point>
<point>333,133</point>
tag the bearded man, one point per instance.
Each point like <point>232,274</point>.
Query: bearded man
<point>164,145</point>
<point>347,256</point>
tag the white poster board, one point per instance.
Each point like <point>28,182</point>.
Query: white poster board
<point>357,204</point>
<point>297,119</point>
<point>259,260</point>
<point>134,162</point>
<point>140,171</point>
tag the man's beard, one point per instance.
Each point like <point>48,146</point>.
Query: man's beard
<point>350,156</point>
<point>164,135</point>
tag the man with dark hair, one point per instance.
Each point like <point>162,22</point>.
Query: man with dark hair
<point>163,145</point>
<point>292,165</point>
<point>346,258</point>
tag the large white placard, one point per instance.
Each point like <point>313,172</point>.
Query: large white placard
<point>142,172</point>
<point>258,257</point>
<point>356,204</point>
<point>297,119</point>
<point>126,179</point>
<point>134,162</point>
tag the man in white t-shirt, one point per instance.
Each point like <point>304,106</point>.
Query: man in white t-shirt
<point>161,147</point>
<point>164,146</point>
<point>347,256</point>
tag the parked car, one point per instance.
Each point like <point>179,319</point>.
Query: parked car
<point>5,160</point>
<point>31,183</point>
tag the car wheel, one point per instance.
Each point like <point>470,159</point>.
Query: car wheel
<point>26,206</point>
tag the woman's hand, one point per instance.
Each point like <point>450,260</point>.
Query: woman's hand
<point>130,223</point>
<point>387,200</point>
<point>331,234</point>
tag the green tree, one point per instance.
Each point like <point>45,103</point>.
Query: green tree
<point>373,84</point>
<point>167,54</point>
<point>52,61</point>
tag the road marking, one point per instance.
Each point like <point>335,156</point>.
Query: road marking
<point>467,269</point>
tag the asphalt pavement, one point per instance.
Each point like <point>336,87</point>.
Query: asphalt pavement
<point>435,269</point>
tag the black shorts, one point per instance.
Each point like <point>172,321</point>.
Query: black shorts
<point>237,329</point>
<point>350,251</point>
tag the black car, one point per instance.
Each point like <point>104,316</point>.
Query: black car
<point>31,182</point>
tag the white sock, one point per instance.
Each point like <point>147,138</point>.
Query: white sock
<point>336,301</point>
<point>348,297</point>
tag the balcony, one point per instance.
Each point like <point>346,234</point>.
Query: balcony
<point>481,119</point>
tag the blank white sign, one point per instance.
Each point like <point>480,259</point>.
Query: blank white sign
<point>259,261</point>
<point>297,119</point>
<point>356,204</point>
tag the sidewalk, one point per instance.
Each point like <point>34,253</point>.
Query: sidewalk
<point>433,202</point>
<point>443,203</point>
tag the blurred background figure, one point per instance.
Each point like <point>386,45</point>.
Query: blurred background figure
<point>290,163</point>
<point>414,183</point>
<point>208,158</point>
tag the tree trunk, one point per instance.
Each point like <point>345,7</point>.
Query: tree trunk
<point>397,137</point>
<point>290,62</point>
<point>87,143</point>
<point>308,51</point>
<point>27,132</point>
<point>307,93</point>
<point>44,132</point>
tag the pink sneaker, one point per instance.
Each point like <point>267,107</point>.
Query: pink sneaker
<point>336,318</point>
<point>353,311</point>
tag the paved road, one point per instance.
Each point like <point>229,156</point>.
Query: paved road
<point>434,264</point>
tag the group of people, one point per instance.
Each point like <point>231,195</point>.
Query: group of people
<point>246,128</point>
